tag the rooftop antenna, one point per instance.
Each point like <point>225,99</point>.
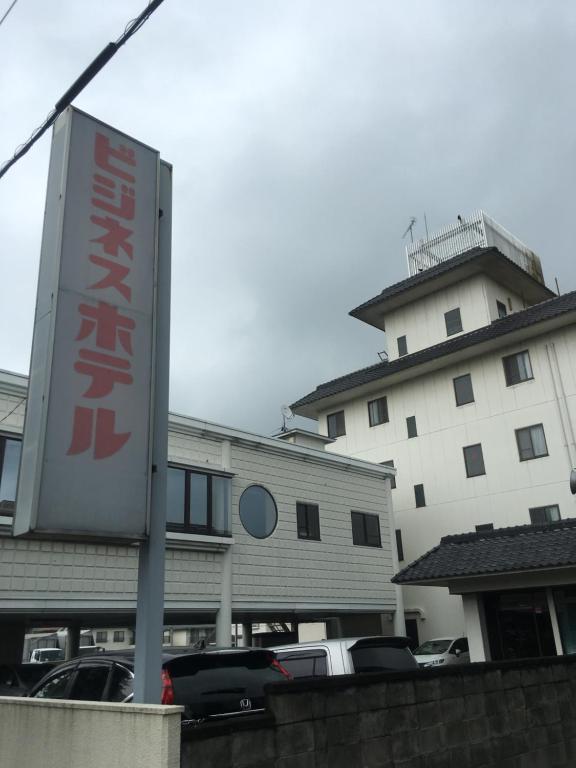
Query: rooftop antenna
<point>409,228</point>
<point>287,415</point>
<point>426,227</point>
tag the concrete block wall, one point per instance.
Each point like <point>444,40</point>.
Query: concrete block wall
<point>70,734</point>
<point>504,715</point>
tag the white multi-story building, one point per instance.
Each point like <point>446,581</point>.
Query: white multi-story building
<point>474,405</point>
<point>258,530</point>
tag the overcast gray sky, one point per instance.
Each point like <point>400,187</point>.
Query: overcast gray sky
<point>304,135</point>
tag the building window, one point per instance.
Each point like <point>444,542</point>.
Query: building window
<point>390,463</point>
<point>167,637</point>
<point>411,426</point>
<point>531,442</point>
<point>517,368</point>
<point>258,512</point>
<point>101,636</point>
<point>399,545</point>
<point>453,321</point>
<point>463,389</point>
<point>502,311</point>
<point>544,515</point>
<point>10,448</point>
<point>419,495</point>
<point>308,521</point>
<point>198,503</point>
<point>402,346</point>
<point>474,460</point>
<point>366,529</point>
<point>484,527</point>
<point>118,635</point>
<point>336,424</point>
<point>377,411</point>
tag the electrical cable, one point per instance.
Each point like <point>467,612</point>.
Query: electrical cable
<point>13,409</point>
<point>8,11</point>
<point>81,82</point>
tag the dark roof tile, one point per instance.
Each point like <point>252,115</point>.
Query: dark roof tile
<point>521,548</point>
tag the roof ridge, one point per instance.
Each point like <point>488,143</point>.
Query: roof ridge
<point>513,530</point>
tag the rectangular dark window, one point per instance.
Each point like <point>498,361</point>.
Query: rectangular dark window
<point>544,515</point>
<point>390,463</point>
<point>10,448</point>
<point>101,636</point>
<point>308,521</point>
<point>517,368</point>
<point>399,545</point>
<point>402,346</point>
<point>411,426</point>
<point>474,460</point>
<point>485,527</point>
<point>453,321</point>
<point>531,442</point>
<point>377,411</point>
<point>336,424</point>
<point>502,311</point>
<point>118,635</point>
<point>366,529</point>
<point>463,389</point>
<point>419,495</point>
<point>198,502</point>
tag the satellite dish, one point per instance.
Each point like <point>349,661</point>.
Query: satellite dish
<point>286,415</point>
<point>573,481</point>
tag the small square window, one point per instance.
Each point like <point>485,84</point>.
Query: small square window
<point>336,424</point>
<point>411,426</point>
<point>390,463</point>
<point>365,529</point>
<point>463,389</point>
<point>119,636</point>
<point>544,515</point>
<point>517,368</point>
<point>453,321</point>
<point>101,636</point>
<point>308,521</point>
<point>502,311</point>
<point>531,442</point>
<point>377,411</point>
<point>399,545</point>
<point>484,527</point>
<point>474,460</point>
<point>419,495</point>
<point>402,346</point>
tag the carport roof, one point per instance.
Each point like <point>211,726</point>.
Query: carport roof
<point>486,553</point>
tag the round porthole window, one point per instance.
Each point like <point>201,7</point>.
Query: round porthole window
<point>258,511</point>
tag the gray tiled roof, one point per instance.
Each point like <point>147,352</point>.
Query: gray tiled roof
<point>522,548</point>
<point>538,313</point>
<point>439,269</point>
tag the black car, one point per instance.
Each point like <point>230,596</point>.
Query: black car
<point>208,683</point>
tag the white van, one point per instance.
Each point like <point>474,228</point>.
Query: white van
<point>40,655</point>
<point>346,656</point>
<point>443,650</point>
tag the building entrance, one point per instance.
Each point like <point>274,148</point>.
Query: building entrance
<point>518,624</point>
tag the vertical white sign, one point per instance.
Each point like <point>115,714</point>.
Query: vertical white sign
<point>86,452</point>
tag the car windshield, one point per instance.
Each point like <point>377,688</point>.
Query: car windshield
<point>432,647</point>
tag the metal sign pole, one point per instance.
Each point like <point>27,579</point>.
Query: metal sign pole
<point>150,605</point>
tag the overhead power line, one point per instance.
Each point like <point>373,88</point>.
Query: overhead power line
<point>8,11</point>
<point>81,82</point>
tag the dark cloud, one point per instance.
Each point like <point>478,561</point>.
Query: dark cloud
<point>303,137</point>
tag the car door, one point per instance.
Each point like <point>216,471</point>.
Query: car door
<point>57,685</point>
<point>91,681</point>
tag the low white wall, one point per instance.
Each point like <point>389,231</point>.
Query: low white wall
<point>70,734</point>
